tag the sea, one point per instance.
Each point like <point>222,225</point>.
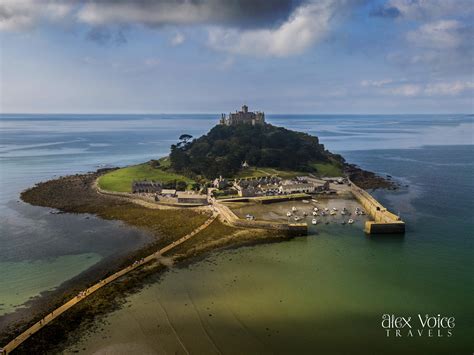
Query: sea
<point>328,293</point>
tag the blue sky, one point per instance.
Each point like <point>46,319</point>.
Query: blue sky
<point>280,56</point>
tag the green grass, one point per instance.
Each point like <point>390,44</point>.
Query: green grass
<point>328,169</point>
<point>121,180</point>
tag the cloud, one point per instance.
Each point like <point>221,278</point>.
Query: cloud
<point>385,11</point>
<point>20,15</point>
<point>178,39</point>
<point>442,34</point>
<point>104,35</point>
<point>155,13</point>
<point>308,24</point>
<point>451,88</point>
<point>403,88</point>
<point>376,83</point>
<point>424,9</point>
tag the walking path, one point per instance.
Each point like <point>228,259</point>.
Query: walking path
<point>82,295</point>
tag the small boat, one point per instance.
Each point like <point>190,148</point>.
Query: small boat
<point>297,218</point>
<point>323,213</point>
<point>293,208</point>
<point>334,209</point>
<point>305,201</point>
<point>350,221</point>
<point>326,209</point>
<point>305,214</point>
<point>288,214</point>
<point>333,213</point>
<point>314,221</point>
<point>343,213</point>
<point>315,201</point>
<point>316,209</point>
<point>250,217</point>
<point>315,213</point>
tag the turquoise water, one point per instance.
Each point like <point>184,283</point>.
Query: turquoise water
<point>325,292</point>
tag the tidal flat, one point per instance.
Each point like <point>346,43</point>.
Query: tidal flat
<point>77,194</point>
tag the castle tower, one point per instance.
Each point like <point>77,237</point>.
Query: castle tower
<point>245,109</point>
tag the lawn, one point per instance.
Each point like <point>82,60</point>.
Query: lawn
<point>121,180</point>
<point>323,170</point>
<point>328,169</point>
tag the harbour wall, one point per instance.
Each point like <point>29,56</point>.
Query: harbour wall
<point>384,221</point>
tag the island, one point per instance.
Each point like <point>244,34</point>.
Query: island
<point>244,182</point>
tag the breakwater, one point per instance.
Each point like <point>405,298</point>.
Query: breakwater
<point>384,221</point>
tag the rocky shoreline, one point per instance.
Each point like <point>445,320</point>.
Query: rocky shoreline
<point>368,180</point>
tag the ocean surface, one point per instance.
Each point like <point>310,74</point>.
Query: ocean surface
<point>326,292</point>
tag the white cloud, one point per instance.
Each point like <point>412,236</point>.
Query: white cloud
<point>308,24</point>
<point>406,90</point>
<point>376,83</point>
<point>452,88</point>
<point>178,39</point>
<point>442,34</point>
<point>18,15</point>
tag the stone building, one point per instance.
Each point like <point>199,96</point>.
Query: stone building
<point>220,183</point>
<point>192,198</point>
<point>146,186</point>
<point>243,117</point>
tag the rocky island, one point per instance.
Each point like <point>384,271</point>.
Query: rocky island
<point>245,181</point>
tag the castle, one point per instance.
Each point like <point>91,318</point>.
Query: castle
<point>243,117</point>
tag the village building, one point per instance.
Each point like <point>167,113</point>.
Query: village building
<point>168,192</point>
<point>292,188</point>
<point>192,198</point>
<point>146,186</point>
<point>243,117</point>
<point>220,183</point>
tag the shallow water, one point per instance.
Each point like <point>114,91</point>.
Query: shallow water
<point>324,292</point>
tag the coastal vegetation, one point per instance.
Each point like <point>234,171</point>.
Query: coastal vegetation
<point>222,151</point>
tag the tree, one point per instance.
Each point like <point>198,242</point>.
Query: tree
<point>184,139</point>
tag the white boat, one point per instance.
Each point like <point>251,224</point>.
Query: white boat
<point>333,213</point>
<point>315,201</point>
<point>315,213</point>
<point>350,221</point>
<point>343,213</point>
<point>250,217</point>
<point>326,209</point>
<point>305,201</point>
<point>288,214</point>
<point>297,218</point>
<point>314,221</point>
<point>293,208</point>
<point>316,209</point>
<point>334,209</point>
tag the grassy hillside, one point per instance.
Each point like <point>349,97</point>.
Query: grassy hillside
<point>121,180</point>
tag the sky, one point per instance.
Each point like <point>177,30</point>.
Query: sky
<point>208,56</point>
